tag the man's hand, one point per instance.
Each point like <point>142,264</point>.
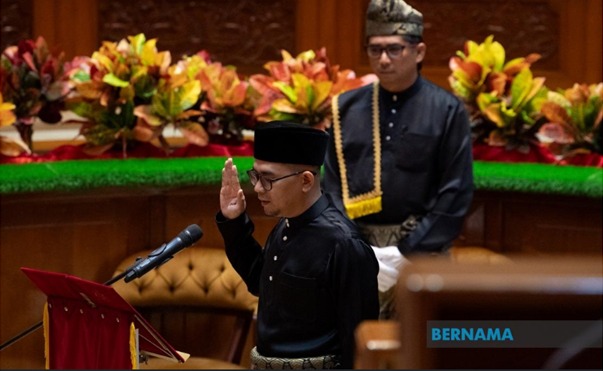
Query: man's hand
<point>232,199</point>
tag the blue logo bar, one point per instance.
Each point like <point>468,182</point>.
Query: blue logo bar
<point>513,334</point>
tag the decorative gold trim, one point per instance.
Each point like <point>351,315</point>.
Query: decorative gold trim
<point>133,347</point>
<point>46,327</point>
<point>369,202</point>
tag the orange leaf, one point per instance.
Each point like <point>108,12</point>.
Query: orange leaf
<point>144,132</point>
<point>555,113</point>
<point>12,148</point>
<point>497,82</point>
<point>194,133</point>
<point>93,150</point>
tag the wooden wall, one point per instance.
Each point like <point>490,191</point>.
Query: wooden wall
<point>88,233</point>
<point>249,33</point>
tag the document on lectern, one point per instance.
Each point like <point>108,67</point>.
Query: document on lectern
<point>98,296</point>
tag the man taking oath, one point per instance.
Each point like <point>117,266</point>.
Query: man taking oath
<point>316,279</point>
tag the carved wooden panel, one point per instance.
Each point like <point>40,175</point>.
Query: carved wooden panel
<point>474,225</point>
<point>551,227</point>
<point>199,205</point>
<point>245,33</point>
<point>15,21</point>
<point>510,222</point>
<point>248,33</point>
<point>521,26</point>
<point>566,33</point>
<point>85,235</point>
<point>88,233</point>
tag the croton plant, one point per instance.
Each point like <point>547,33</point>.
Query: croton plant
<point>32,78</point>
<point>9,147</point>
<point>227,107</point>
<point>574,119</point>
<point>503,97</point>
<point>130,91</point>
<point>510,107</point>
<point>300,88</point>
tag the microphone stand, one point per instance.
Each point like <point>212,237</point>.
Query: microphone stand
<point>39,324</point>
<point>190,235</point>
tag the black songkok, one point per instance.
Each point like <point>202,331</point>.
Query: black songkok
<point>290,143</point>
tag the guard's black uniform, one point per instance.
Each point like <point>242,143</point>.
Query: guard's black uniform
<point>426,160</point>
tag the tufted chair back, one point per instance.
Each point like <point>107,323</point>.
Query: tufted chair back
<point>197,302</point>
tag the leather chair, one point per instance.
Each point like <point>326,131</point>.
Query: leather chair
<point>199,304</point>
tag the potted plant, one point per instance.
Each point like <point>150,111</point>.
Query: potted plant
<point>174,102</point>
<point>300,88</point>
<point>9,147</point>
<point>504,101</point>
<point>226,105</point>
<point>573,130</point>
<point>128,92</point>
<point>32,78</point>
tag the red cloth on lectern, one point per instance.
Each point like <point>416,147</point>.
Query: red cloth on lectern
<point>89,326</point>
<point>83,337</point>
<point>88,323</point>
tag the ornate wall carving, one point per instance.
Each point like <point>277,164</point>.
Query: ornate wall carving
<point>245,33</point>
<point>15,21</point>
<point>521,26</point>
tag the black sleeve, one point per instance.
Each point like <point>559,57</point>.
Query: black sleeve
<point>354,273</point>
<point>443,223</point>
<point>243,251</point>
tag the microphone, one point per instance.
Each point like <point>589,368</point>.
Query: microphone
<point>165,252</point>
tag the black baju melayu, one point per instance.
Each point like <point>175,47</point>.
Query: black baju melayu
<point>422,167</point>
<point>316,281</point>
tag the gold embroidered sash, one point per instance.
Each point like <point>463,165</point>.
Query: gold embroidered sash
<point>369,202</point>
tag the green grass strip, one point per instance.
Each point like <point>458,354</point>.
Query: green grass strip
<point>177,172</point>
<point>539,178</point>
<point>87,174</point>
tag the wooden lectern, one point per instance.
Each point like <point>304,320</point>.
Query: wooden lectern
<point>88,325</point>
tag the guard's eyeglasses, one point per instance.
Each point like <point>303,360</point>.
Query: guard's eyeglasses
<point>255,177</point>
<point>393,50</point>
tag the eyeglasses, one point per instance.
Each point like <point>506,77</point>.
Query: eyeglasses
<point>393,50</point>
<point>266,183</point>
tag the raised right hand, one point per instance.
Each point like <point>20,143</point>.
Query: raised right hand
<point>232,198</point>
